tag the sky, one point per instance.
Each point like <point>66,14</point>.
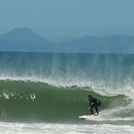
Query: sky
<point>62,20</point>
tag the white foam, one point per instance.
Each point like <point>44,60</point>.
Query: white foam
<point>34,128</point>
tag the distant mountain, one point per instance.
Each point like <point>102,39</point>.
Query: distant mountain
<point>119,44</point>
<point>109,44</point>
<point>85,45</point>
<point>25,40</point>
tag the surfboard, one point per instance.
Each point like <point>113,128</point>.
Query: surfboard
<point>87,117</point>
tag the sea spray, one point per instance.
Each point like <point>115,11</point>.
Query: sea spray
<point>45,86</point>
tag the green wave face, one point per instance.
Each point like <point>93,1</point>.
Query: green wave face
<point>31,101</point>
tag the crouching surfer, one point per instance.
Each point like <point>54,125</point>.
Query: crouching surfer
<point>93,103</point>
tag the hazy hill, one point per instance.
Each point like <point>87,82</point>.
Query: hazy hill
<point>25,40</point>
<point>109,44</point>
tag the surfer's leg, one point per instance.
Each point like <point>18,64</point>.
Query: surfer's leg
<point>91,110</point>
<point>97,110</point>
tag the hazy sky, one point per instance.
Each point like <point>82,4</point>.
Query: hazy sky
<point>58,20</point>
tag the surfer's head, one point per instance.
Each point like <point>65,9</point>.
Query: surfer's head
<point>89,96</point>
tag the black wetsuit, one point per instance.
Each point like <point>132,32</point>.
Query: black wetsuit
<point>94,103</point>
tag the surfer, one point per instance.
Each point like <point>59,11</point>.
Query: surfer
<point>93,103</point>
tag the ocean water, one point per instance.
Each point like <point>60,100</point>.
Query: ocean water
<point>46,92</point>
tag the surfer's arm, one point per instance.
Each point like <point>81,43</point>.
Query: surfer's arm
<point>89,107</point>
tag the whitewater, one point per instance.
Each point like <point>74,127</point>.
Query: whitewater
<point>46,92</point>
